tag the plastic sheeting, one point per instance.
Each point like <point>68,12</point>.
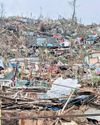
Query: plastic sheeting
<point>63,87</point>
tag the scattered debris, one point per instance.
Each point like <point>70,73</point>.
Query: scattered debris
<point>49,72</point>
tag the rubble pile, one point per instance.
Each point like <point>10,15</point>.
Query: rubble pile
<point>49,72</point>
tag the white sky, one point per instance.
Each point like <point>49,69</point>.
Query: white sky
<point>88,10</point>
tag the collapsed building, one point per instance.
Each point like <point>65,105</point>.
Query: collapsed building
<point>49,72</point>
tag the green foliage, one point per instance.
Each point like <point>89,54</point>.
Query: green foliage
<point>96,79</point>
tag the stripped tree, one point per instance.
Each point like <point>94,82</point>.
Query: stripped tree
<point>73,4</point>
<point>2,11</point>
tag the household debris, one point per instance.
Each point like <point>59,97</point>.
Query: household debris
<point>49,72</point>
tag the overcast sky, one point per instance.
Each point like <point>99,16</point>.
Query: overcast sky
<point>88,11</point>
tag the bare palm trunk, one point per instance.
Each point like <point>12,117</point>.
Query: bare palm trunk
<point>74,10</point>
